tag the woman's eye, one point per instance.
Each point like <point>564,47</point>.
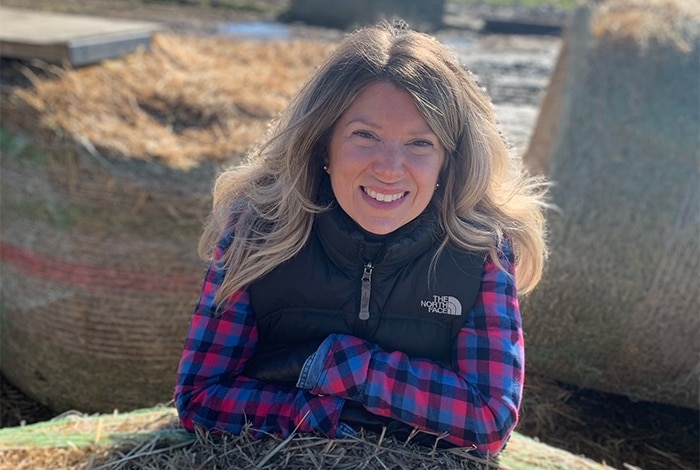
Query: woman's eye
<point>422,143</point>
<point>363,134</point>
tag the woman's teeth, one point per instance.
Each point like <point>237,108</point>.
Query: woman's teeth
<point>383,197</point>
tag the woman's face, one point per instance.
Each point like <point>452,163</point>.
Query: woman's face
<point>384,159</point>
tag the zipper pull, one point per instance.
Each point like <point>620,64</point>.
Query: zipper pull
<point>366,288</point>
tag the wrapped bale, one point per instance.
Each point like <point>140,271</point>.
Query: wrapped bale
<point>618,134</point>
<point>102,211</point>
<point>100,274</point>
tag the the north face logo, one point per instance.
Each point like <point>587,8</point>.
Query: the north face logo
<point>445,304</point>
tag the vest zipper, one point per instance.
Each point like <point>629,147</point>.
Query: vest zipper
<point>366,290</point>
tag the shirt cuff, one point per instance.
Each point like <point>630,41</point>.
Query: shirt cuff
<point>313,366</point>
<point>345,431</point>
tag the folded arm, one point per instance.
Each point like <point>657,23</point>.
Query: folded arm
<point>475,403</point>
<point>211,390</point>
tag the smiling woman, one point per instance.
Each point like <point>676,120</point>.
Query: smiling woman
<point>362,263</point>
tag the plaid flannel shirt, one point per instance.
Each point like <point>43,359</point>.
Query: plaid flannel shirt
<point>476,404</point>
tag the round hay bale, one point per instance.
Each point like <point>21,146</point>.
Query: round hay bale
<point>101,218</point>
<point>100,274</point>
<point>617,310</point>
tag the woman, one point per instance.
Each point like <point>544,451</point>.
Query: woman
<point>363,262</point>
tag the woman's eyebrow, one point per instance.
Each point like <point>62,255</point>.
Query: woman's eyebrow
<point>427,131</point>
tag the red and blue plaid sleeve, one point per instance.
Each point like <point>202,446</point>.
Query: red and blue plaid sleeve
<point>210,390</point>
<point>476,404</point>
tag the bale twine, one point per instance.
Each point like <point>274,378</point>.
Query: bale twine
<point>101,219</point>
<point>617,310</point>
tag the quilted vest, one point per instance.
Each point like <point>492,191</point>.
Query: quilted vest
<point>379,288</point>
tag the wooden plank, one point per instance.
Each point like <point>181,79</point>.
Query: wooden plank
<point>73,39</point>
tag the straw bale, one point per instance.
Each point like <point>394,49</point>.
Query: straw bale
<point>617,310</point>
<point>99,276</point>
<point>152,438</point>
<point>105,186</point>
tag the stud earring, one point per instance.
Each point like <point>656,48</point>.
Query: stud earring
<point>437,185</point>
<point>325,167</point>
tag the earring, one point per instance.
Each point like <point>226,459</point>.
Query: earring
<point>325,167</point>
<point>437,185</point>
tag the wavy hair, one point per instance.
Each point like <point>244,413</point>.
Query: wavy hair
<point>485,195</point>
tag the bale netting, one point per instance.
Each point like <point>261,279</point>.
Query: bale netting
<point>106,180</point>
<point>617,310</point>
<point>100,274</point>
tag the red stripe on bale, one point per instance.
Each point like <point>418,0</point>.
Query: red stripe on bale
<point>85,275</point>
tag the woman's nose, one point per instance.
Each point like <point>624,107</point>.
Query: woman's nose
<point>389,163</point>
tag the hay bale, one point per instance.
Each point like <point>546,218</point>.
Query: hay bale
<point>100,274</point>
<point>617,310</point>
<point>152,438</point>
<point>102,211</point>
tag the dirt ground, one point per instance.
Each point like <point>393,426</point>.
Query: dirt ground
<point>515,71</point>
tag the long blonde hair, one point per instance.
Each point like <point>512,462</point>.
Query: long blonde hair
<point>484,196</point>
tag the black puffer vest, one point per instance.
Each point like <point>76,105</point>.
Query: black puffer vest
<point>381,289</point>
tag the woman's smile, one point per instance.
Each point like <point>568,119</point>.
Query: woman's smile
<point>381,197</point>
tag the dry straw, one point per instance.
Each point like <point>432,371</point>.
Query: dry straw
<point>182,103</point>
<point>151,438</point>
<point>645,22</point>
